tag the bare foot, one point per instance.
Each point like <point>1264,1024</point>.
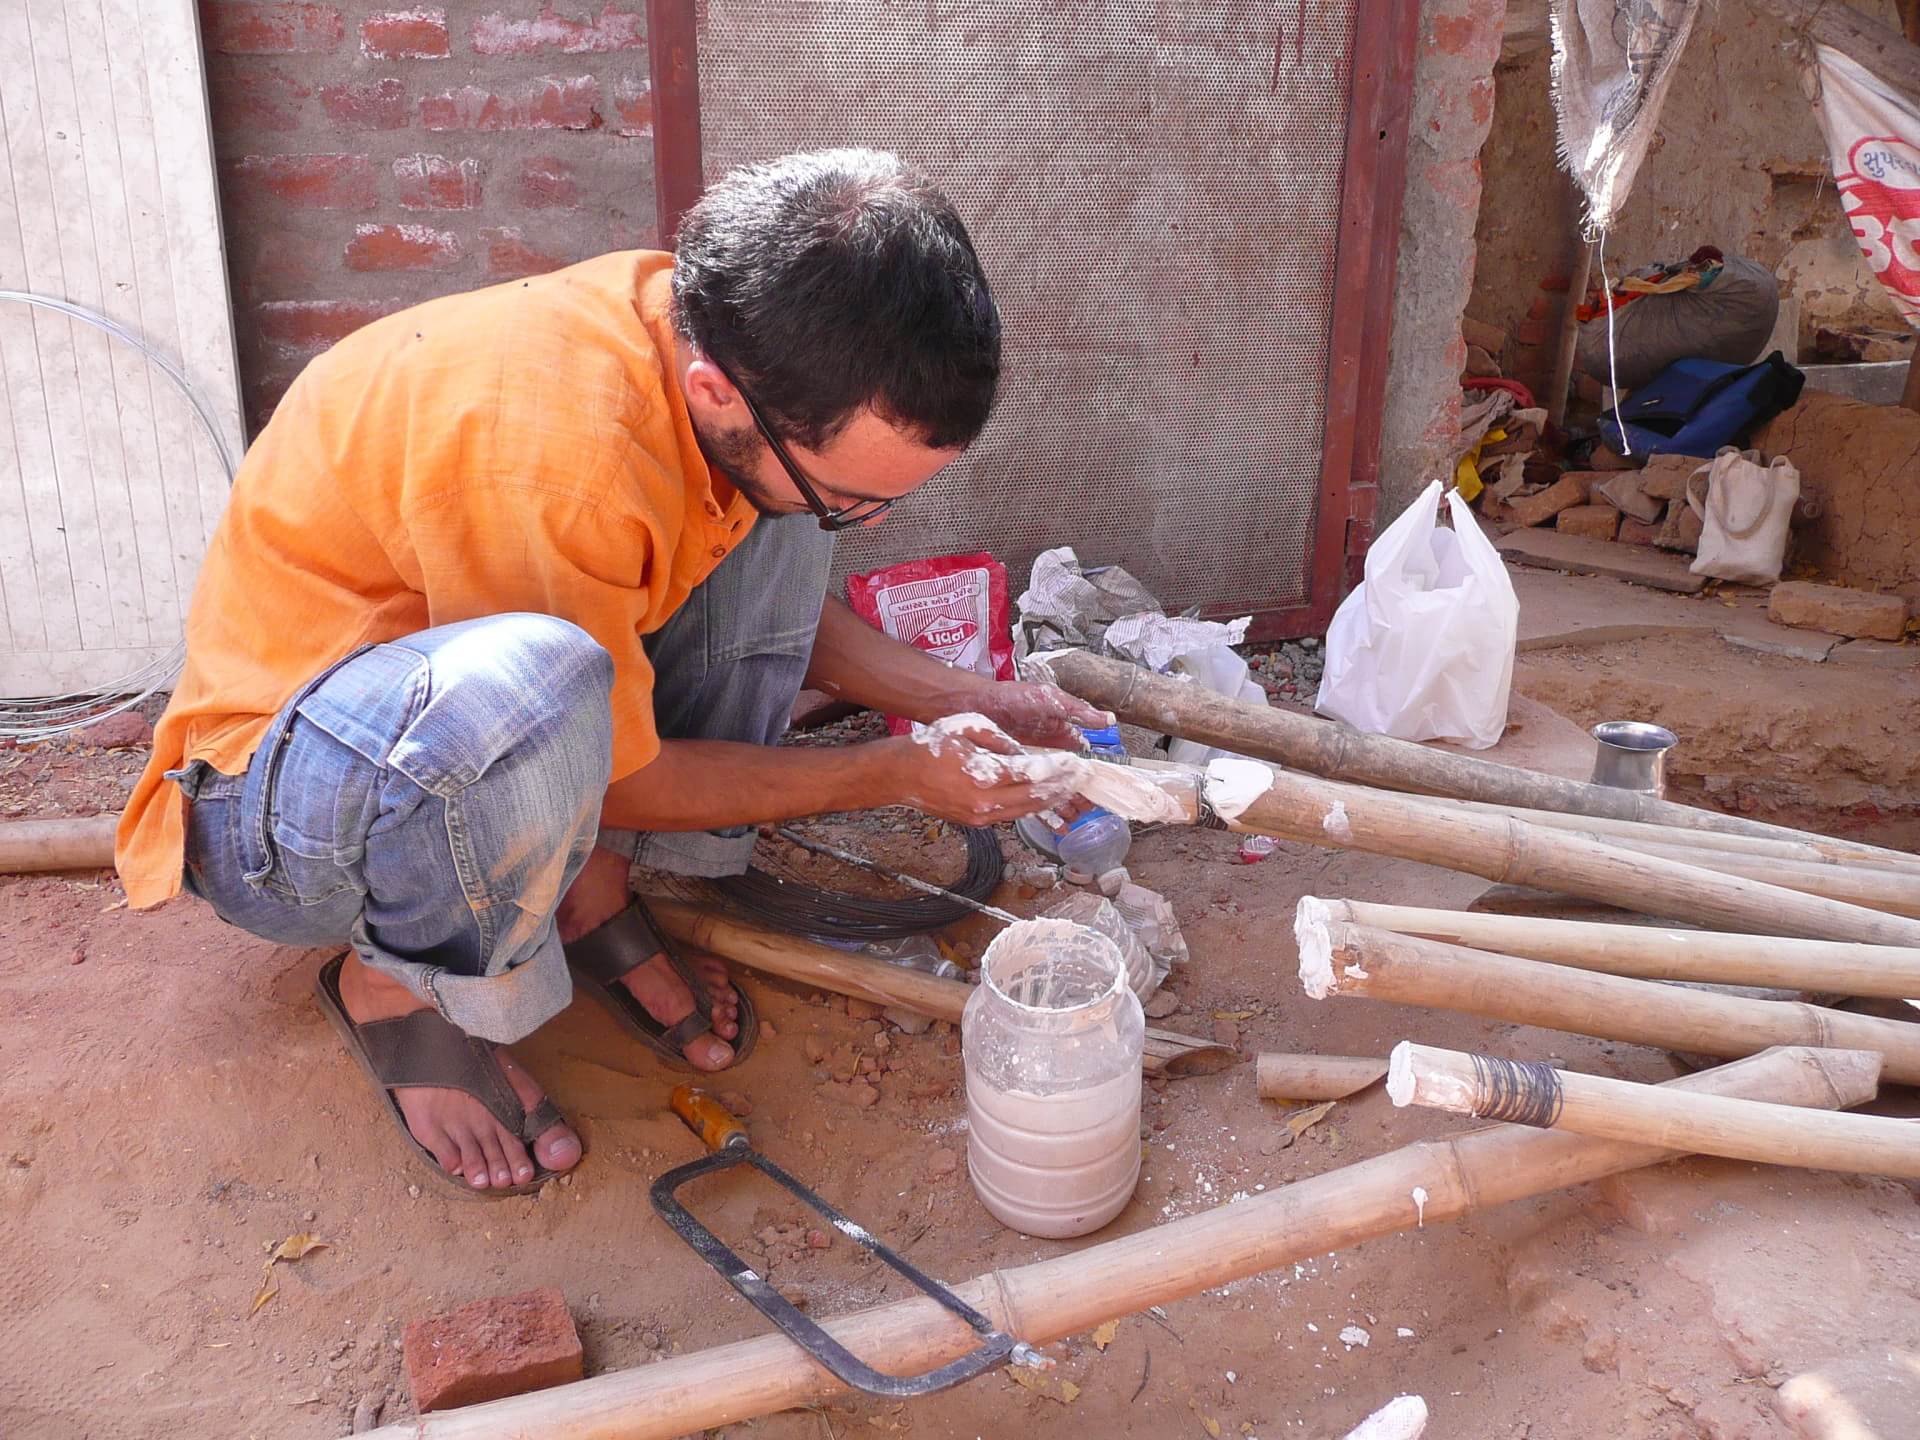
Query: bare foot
<point>598,894</point>
<point>457,1130</point>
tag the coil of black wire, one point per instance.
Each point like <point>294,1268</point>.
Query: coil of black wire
<point>804,909</point>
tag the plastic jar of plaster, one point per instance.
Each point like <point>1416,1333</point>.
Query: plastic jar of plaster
<point>1052,1038</point>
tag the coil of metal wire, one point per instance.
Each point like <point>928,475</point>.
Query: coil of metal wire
<point>801,908</point>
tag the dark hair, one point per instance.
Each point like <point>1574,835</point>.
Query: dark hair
<point>836,280</point>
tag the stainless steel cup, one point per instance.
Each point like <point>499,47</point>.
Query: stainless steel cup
<point>1632,755</point>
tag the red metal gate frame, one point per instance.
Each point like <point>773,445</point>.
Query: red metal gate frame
<point>1379,106</point>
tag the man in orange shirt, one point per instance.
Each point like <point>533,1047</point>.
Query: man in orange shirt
<point>517,588</point>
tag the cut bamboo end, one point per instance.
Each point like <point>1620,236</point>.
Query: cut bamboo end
<point>1314,1077</point>
<point>1532,1093</point>
<point>29,847</point>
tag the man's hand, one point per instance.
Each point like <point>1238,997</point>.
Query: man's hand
<point>961,780</point>
<point>1038,714</point>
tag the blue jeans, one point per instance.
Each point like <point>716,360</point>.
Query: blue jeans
<point>428,801</point>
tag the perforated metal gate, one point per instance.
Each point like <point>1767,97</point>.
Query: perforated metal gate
<point>1156,190</point>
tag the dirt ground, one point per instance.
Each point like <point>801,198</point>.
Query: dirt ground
<point>172,1106</point>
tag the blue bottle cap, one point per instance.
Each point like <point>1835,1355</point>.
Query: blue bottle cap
<point>1106,735</point>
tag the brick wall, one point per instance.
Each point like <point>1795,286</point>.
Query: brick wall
<point>371,157</point>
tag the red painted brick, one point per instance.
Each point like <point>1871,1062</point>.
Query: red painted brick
<point>633,102</point>
<point>1533,332</point>
<point>402,247</point>
<point>273,29</point>
<point>548,103</point>
<point>611,29</point>
<point>306,327</point>
<point>405,35</point>
<point>318,182</point>
<point>433,182</point>
<point>509,257</point>
<point>492,1348</point>
<point>370,105</point>
<point>547,183</point>
<point>264,99</point>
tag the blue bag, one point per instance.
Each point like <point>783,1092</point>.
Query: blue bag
<point>1693,407</point>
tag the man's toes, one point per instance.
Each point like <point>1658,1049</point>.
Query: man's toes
<point>473,1164</point>
<point>443,1148</point>
<point>557,1148</point>
<point>708,1052</point>
<point>494,1156</point>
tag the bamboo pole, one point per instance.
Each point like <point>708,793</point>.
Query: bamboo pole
<point>1299,807</point>
<point>1337,959</point>
<point>1167,1052</point>
<point>32,846</point>
<point>1880,885</point>
<point>1814,849</point>
<point>1651,953</point>
<point>1534,1093</point>
<point>1337,751</point>
<point>1314,1077</point>
<point>1568,340</point>
<point>1420,1184</point>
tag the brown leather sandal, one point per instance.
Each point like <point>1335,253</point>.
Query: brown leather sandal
<point>424,1048</point>
<point>625,943</point>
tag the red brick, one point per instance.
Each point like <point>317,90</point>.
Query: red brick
<point>264,99</point>
<point>492,1348</point>
<point>306,327</point>
<point>1558,283</point>
<point>318,182</point>
<point>547,183</point>
<point>1591,522</point>
<point>1862,614</point>
<point>405,35</point>
<point>633,102</point>
<point>1637,532</point>
<point>283,29</point>
<point>372,105</point>
<point>548,103</point>
<point>611,29</point>
<point>509,257</point>
<point>402,247</point>
<point>433,182</point>
<point>1565,493</point>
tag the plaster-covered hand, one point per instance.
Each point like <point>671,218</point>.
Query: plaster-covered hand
<point>1037,714</point>
<point>951,772</point>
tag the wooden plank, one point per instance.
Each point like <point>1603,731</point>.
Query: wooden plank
<point>26,266</point>
<point>118,430</point>
<point>169,36</point>
<point>1577,555</point>
<point>59,245</point>
<point>54,672</point>
<point>109,486</point>
<point>177,430</point>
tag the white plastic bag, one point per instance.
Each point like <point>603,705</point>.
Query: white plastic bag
<point>1423,648</point>
<point>1744,519</point>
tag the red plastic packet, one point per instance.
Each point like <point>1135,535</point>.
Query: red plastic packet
<point>954,607</point>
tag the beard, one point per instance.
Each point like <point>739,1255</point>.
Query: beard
<point>736,455</point>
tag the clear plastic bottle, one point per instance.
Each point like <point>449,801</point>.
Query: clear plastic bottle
<point>1095,842</point>
<point>1052,1038</point>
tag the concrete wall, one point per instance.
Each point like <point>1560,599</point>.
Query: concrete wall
<point>1453,107</point>
<point>1739,162</point>
<point>372,158</point>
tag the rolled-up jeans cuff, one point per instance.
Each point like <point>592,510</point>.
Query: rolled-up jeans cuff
<point>503,1007</point>
<point>701,854</point>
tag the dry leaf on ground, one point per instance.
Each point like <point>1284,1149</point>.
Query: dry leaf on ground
<point>1103,1337</point>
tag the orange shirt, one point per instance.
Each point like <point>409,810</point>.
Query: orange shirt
<point>524,447</point>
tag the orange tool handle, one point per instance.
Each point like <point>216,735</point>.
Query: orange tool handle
<point>707,1118</point>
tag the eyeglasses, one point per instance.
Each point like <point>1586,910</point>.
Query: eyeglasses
<point>843,518</point>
